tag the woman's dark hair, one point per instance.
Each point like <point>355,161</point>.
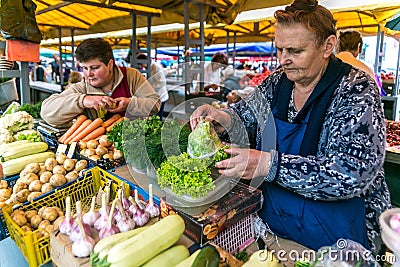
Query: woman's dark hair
<point>349,40</point>
<point>95,48</point>
<point>220,58</point>
<point>313,16</point>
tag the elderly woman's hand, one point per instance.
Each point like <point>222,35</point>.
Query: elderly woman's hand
<point>221,120</point>
<point>246,163</point>
<point>98,102</point>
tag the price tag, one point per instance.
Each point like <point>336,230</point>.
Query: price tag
<point>71,150</point>
<point>62,148</point>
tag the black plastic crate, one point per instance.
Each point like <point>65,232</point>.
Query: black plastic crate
<point>105,164</point>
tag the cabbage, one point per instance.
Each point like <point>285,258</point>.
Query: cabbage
<point>203,141</point>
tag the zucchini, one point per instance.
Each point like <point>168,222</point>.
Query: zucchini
<point>7,146</point>
<point>189,261</point>
<point>15,166</point>
<point>207,256</point>
<point>169,257</point>
<point>142,247</point>
<point>101,249</point>
<point>23,149</point>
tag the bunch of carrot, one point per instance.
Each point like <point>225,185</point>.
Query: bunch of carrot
<point>87,129</point>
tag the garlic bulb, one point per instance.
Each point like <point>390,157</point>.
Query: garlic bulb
<point>152,208</point>
<point>91,216</point>
<point>69,222</point>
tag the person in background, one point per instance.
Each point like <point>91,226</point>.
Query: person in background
<point>157,80</point>
<point>41,73</point>
<point>74,77</point>
<point>212,71</point>
<point>348,48</point>
<point>322,175</point>
<point>55,69</point>
<point>231,82</point>
<point>105,87</point>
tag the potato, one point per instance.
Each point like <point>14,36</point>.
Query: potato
<point>42,170</point>
<point>40,211</point>
<point>20,219</point>
<point>94,157</point>
<point>61,157</point>
<point>71,176</point>
<point>12,200</point>
<point>43,224</point>
<point>26,228</point>
<point>32,168</point>
<point>22,195</point>
<point>35,221</point>
<point>101,150</point>
<point>50,214</point>
<point>45,177</point>
<point>49,228</point>
<point>89,152</point>
<point>80,165</point>
<point>117,154</point>
<point>29,178</point>
<point>3,184</point>
<point>59,169</point>
<point>19,185</point>
<point>33,195</point>
<point>2,204</point>
<point>82,144</point>
<point>59,211</point>
<point>17,212</point>
<point>30,213</point>
<point>35,186</point>
<point>109,155</point>
<point>58,221</point>
<point>50,163</point>
<point>47,187</point>
<point>92,144</point>
<point>5,194</point>
<point>57,180</point>
<point>40,234</point>
<point>69,164</point>
<point>103,140</point>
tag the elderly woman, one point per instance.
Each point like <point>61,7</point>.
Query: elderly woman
<point>105,86</point>
<point>325,180</point>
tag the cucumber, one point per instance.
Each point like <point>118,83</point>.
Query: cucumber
<point>169,257</point>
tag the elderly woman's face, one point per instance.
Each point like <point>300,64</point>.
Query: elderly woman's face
<point>298,53</point>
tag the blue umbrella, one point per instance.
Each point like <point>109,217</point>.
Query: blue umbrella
<point>394,23</point>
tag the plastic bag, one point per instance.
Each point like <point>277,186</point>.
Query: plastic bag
<point>18,21</point>
<point>203,141</point>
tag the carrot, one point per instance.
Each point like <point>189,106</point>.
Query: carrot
<point>111,120</point>
<point>109,128</point>
<point>78,122</point>
<point>96,133</point>
<point>93,126</point>
<point>80,129</point>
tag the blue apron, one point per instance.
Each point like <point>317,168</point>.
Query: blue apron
<point>311,223</point>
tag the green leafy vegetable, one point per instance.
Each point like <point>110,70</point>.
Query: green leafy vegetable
<point>203,141</point>
<point>12,108</point>
<point>186,175</point>
<point>33,110</point>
